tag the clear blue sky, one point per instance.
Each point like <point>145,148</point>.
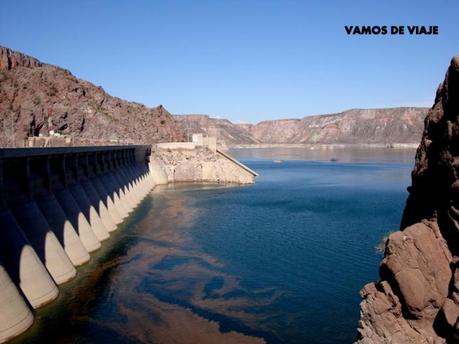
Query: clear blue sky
<point>243,60</point>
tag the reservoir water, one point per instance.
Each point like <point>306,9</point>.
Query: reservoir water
<point>281,261</point>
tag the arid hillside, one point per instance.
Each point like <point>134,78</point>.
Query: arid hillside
<point>38,99</point>
<point>369,126</point>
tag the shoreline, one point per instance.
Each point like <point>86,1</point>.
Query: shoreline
<point>327,146</point>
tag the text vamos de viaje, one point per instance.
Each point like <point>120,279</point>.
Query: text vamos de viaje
<point>392,30</point>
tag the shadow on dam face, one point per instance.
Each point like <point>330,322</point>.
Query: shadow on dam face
<point>57,205</point>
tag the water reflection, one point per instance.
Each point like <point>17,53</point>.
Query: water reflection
<point>280,261</point>
<point>154,286</point>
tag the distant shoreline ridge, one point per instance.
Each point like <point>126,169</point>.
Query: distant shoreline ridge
<point>326,146</point>
<point>391,127</point>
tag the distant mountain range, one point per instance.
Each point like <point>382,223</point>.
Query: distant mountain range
<point>38,99</point>
<point>356,126</point>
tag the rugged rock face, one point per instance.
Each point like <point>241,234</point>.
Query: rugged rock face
<point>11,59</point>
<point>417,300</point>
<point>369,126</point>
<point>37,98</point>
<point>397,125</point>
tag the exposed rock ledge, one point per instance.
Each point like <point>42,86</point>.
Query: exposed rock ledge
<point>417,299</point>
<point>10,59</point>
<point>201,164</point>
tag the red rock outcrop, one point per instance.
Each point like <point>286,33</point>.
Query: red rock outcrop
<point>417,299</point>
<point>10,59</point>
<point>39,99</point>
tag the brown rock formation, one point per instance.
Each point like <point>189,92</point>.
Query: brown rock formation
<point>357,126</point>
<point>417,300</point>
<point>38,98</point>
<point>11,59</point>
<point>382,126</point>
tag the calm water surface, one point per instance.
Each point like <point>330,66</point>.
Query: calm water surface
<point>281,261</point>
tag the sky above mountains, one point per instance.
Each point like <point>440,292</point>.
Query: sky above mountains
<point>243,60</point>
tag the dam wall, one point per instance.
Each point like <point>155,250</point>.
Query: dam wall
<point>57,205</point>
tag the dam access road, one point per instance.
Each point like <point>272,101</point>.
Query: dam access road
<point>57,205</point>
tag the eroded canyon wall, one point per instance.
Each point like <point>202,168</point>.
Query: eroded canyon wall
<point>417,298</point>
<point>356,126</point>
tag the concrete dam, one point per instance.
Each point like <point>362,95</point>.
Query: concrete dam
<point>57,205</point>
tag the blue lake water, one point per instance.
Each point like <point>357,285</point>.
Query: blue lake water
<point>282,260</point>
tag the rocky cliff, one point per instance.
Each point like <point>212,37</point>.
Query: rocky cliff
<point>417,298</point>
<point>39,99</point>
<point>357,126</point>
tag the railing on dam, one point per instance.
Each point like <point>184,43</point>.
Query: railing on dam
<point>57,205</point>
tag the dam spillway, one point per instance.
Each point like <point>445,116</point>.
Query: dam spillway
<point>57,205</point>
